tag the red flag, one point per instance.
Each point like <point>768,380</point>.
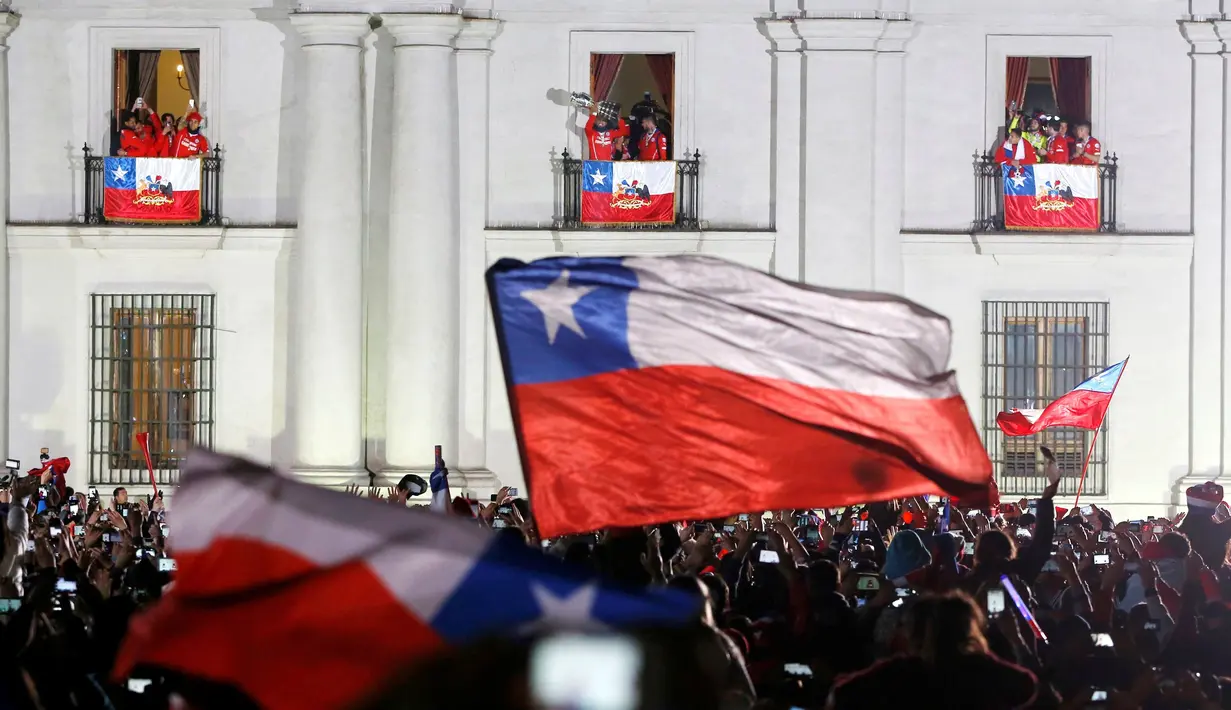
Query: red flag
<point>1084,407</point>
<point>143,440</point>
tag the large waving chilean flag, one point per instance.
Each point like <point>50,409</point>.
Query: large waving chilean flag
<point>686,387</point>
<point>1084,407</point>
<point>302,597</point>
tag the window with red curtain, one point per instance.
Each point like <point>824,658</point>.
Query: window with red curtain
<point>1070,80</point>
<point>662,68</point>
<point>1017,71</point>
<point>604,68</point>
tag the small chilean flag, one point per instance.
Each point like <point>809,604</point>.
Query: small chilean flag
<point>648,389</point>
<point>1083,408</point>
<point>624,192</point>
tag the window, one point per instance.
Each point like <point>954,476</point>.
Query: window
<point>165,79</point>
<point>152,371</point>
<point>638,83</point>
<point>1050,86</point>
<point>1034,352</point>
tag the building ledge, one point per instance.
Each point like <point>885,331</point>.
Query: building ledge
<point>31,237</point>
<point>588,242</point>
<point>1055,245</point>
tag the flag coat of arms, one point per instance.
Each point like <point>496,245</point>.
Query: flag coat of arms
<point>628,192</point>
<point>1049,197</point>
<point>647,389</point>
<point>162,190</point>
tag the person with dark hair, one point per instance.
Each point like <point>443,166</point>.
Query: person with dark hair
<point>1015,151</point>
<point>948,663</point>
<point>1087,150</point>
<point>653,144</point>
<point>1057,145</point>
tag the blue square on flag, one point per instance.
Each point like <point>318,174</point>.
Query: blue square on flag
<point>597,175</point>
<point>120,173</point>
<point>1019,181</point>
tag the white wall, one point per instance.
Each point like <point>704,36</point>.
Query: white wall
<point>1146,282</point>
<point>54,270</point>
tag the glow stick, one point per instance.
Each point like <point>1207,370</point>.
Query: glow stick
<point>1021,608</point>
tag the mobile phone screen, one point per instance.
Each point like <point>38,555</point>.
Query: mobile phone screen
<point>768,557</point>
<point>586,671</point>
<point>995,602</point>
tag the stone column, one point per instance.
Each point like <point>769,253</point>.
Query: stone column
<point>422,331</point>
<point>889,158</point>
<point>8,23</point>
<point>326,309</point>
<point>839,145</point>
<point>474,116</point>
<point>1207,273</point>
<point>787,148</point>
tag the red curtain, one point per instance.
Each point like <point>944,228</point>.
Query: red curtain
<point>662,68</point>
<point>1070,81</point>
<point>1016,73</point>
<point>604,68</point>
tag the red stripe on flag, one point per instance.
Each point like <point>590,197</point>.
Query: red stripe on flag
<point>320,640</point>
<point>635,447</point>
<point>1082,409</point>
<point>1024,212</point>
<point>601,208</point>
<point>121,205</point>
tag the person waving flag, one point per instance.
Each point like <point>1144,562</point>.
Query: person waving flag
<point>1084,407</point>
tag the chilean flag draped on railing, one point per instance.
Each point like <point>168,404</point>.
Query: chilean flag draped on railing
<point>1051,197</point>
<point>686,387</point>
<point>628,192</point>
<point>155,190</point>
<point>1084,407</point>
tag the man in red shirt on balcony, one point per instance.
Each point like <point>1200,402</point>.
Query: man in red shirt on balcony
<point>1088,150</point>
<point>189,142</point>
<point>605,131</point>
<point>1057,145</point>
<point>139,139</point>
<point>1015,151</point>
<point>653,144</point>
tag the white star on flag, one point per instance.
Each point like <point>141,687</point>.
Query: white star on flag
<point>572,611</point>
<point>119,173</point>
<point>556,303</point>
<point>1019,179</point>
<point>597,177</point>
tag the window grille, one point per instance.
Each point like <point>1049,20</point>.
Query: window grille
<point>151,371</point>
<point>1034,352</point>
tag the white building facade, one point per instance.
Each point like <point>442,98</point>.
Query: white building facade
<point>377,155</point>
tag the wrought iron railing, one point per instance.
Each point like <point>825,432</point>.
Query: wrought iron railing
<point>568,171</point>
<point>989,194</point>
<point>211,187</point>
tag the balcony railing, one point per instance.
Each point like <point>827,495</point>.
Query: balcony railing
<point>989,194</point>
<point>211,193</point>
<point>687,196</point>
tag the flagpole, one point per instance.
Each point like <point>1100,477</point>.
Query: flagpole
<point>1089,454</point>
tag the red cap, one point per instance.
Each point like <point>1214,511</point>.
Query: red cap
<point>194,116</point>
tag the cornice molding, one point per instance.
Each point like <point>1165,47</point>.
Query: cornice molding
<point>477,34</point>
<point>1203,36</point>
<point>331,28</point>
<point>422,29</point>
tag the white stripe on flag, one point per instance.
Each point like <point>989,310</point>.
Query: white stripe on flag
<point>183,173</point>
<point>1081,179</point>
<point>700,310</point>
<point>658,176</point>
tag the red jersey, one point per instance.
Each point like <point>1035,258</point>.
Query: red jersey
<point>1091,146</point>
<point>188,145</point>
<point>143,142</point>
<point>1057,149</point>
<point>653,146</point>
<point>1023,153</point>
<point>602,141</point>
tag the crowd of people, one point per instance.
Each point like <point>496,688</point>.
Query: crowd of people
<point>146,134</point>
<point>1037,137</point>
<point>909,601</point>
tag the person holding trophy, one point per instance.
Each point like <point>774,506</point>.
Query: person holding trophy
<point>606,132</point>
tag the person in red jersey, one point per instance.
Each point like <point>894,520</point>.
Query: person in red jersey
<point>1057,146</point>
<point>1088,150</point>
<point>603,137</point>
<point>653,144</point>
<point>189,142</point>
